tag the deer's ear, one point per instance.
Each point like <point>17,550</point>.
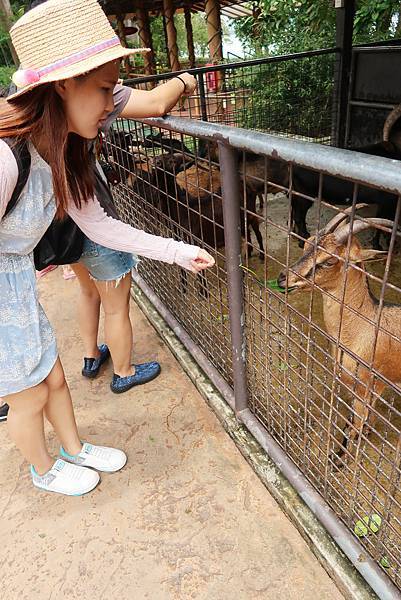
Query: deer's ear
<point>369,254</point>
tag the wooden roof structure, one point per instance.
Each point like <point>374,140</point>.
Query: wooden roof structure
<point>141,10</point>
<point>229,8</point>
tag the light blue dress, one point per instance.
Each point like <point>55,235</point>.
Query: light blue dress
<point>28,347</point>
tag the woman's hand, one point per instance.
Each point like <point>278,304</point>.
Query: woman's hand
<point>202,261</point>
<point>190,83</point>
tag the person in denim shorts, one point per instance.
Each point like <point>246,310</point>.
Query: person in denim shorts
<point>105,275</point>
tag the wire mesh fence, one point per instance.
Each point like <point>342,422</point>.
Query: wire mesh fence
<point>321,291</point>
<point>291,96</point>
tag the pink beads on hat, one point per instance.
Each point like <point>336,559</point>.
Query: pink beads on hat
<point>24,77</point>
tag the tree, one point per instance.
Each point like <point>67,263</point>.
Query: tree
<point>199,33</point>
<point>286,26</point>
<point>6,19</point>
<point>9,12</point>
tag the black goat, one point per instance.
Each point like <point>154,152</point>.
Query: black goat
<point>166,143</point>
<point>340,191</point>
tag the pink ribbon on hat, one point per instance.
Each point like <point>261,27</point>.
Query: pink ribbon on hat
<point>24,77</point>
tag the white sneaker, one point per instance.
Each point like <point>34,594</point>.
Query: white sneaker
<point>67,479</point>
<point>100,458</point>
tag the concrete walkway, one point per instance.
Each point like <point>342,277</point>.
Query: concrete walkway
<point>186,518</point>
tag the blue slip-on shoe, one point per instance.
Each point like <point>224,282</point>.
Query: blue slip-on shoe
<point>143,374</point>
<point>4,412</point>
<point>92,366</point>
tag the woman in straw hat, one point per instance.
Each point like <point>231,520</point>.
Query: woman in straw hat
<point>69,67</point>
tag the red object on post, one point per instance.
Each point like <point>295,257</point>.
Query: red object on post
<point>211,79</point>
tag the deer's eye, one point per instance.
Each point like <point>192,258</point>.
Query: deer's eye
<point>327,264</point>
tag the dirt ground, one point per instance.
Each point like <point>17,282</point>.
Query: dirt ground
<point>186,518</point>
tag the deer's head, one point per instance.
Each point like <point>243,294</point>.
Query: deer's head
<point>327,254</point>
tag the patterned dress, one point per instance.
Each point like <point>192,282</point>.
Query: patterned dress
<point>28,348</point>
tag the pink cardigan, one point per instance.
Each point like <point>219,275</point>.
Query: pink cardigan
<point>101,228</point>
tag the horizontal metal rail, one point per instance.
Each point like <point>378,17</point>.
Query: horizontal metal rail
<point>236,65</point>
<point>382,173</point>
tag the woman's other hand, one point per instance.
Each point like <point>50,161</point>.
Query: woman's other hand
<point>190,83</point>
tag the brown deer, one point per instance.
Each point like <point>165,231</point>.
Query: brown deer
<point>351,313</point>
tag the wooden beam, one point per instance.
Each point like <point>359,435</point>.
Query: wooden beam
<point>168,9</point>
<point>166,42</point>
<point>142,19</point>
<point>121,34</point>
<point>213,22</point>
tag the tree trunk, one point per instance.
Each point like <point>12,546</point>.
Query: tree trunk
<point>398,30</point>
<point>385,21</point>
<point>168,11</point>
<point>6,15</point>
<point>190,37</point>
<point>121,35</point>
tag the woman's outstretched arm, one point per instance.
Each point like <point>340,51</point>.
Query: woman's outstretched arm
<point>106,231</point>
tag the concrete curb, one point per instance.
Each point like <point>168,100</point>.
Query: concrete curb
<point>334,561</point>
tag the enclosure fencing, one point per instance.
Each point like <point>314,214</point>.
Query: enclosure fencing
<point>291,95</point>
<point>303,343</point>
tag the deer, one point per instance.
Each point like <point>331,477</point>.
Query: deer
<point>334,261</point>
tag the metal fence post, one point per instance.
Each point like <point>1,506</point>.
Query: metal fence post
<point>345,13</point>
<point>231,197</point>
<point>202,96</point>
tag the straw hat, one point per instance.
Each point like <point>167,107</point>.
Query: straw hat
<point>61,39</point>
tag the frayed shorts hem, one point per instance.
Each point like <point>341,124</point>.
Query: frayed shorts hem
<point>105,264</point>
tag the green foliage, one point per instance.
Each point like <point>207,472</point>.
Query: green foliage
<point>199,34</point>
<point>291,98</point>
<point>295,97</point>
<point>18,9</point>
<point>285,26</point>
<point>5,75</point>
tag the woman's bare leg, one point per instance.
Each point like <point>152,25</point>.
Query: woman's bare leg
<point>117,323</point>
<point>25,425</point>
<point>59,411</point>
<point>88,311</point>
<point>25,419</point>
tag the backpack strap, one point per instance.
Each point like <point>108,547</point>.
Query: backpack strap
<point>23,159</point>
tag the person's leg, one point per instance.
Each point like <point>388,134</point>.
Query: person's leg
<point>111,271</point>
<point>25,422</point>
<point>117,324</point>
<point>88,311</point>
<point>25,425</point>
<point>59,411</point>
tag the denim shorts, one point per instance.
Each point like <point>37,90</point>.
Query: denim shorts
<point>105,264</point>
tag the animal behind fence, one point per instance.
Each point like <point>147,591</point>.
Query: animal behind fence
<point>186,186</point>
<point>368,334</point>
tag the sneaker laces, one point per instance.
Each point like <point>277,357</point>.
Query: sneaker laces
<point>96,451</point>
<point>69,470</point>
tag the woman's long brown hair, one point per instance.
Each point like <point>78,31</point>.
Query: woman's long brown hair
<point>40,113</point>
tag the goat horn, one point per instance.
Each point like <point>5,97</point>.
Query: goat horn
<point>392,118</point>
<point>339,218</point>
<point>342,234</point>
